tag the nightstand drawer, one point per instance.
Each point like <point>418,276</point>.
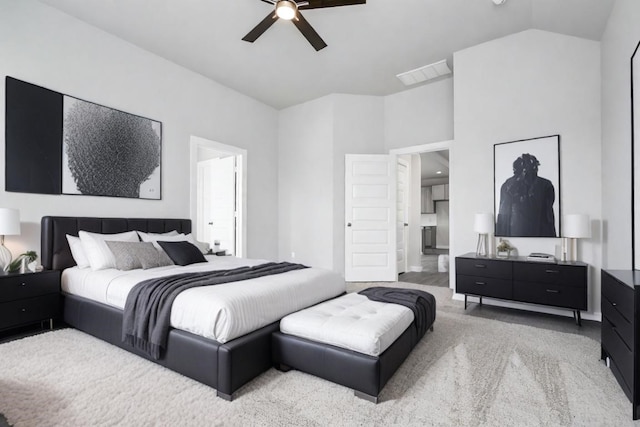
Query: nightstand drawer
<point>484,286</point>
<point>18,286</point>
<point>619,295</point>
<point>622,325</point>
<point>484,268</point>
<point>29,310</point>
<point>551,294</point>
<point>618,351</point>
<point>550,273</point>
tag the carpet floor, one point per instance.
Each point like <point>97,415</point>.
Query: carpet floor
<point>469,372</point>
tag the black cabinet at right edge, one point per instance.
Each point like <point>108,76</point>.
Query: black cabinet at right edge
<point>620,302</point>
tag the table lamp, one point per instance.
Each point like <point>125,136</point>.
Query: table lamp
<point>483,225</point>
<point>9,225</point>
<point>574,226</point>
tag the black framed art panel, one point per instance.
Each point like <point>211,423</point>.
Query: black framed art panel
<point>527,187</point>
<point>59,144</point>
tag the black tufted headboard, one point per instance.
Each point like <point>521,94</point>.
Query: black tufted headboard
<point>56,254</point>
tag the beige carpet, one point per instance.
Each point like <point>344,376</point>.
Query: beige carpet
<point>470,371</point>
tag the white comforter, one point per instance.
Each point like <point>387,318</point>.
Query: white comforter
<point>220,312</point>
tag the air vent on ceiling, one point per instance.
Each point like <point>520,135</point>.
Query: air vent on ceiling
<point>425,73</point>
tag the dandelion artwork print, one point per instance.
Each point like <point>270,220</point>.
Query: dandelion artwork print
<point>107,152</point>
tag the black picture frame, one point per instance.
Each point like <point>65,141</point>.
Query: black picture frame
<point>527,196</point>
<point>42,125</point>
<point>635,161</point>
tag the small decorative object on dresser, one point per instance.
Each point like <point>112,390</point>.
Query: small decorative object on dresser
<point>9,225</point>
<point>557,284</point>
<point>620,330</point>
<point>504,249</point>
<point>20,263</point>
<point>29,298</point>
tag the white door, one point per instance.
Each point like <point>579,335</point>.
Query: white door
<point>370,217</point>
<point>217,202</point>
<point>402,215</point>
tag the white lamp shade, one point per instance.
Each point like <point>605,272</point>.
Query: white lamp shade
<point>576,226</point>
<point>9,221</point>
<point>483,223</point>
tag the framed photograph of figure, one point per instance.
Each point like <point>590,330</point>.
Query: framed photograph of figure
<point>526,177</point>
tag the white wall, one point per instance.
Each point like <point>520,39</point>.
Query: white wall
<point>420,115</point>
<point>305,183</point>
<point>44,46</point>
<point>358,129</point>
<point>314,137</point>
<point>530,84</point>
<point>618,43</point>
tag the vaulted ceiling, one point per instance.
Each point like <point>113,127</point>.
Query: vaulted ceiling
<point>367,44</point>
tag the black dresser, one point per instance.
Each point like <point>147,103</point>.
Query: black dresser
<point>557,284</point>
<point>619,304</point>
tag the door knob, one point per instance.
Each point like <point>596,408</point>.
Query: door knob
<point>210,223</point>
<point>348,224</point>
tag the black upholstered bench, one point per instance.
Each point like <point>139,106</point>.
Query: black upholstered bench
<point>342,360</point>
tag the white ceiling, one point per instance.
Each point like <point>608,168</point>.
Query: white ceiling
<point>433,162</point>
<point>367,44</point>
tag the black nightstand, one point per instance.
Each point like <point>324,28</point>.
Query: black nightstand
<point>29,298</point>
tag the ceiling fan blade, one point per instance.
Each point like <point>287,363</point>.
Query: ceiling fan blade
<point>269,1</point>
<point>260,28</point>
<point>316,4</point>
<point>310,34</point>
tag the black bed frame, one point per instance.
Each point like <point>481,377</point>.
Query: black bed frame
<point>225,367</point>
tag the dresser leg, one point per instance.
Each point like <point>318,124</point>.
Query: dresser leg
<point>465,301</point>
<point>576,316</point>
<point>481,301</point>
<point>51,324</point>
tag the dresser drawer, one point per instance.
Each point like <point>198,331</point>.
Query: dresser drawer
<point>484,286</point>
<point>29,310</point>
<point>557,274</point>
<point>615,318</point>
<point>484,268</point>
<point>618,351</point>
<point>551,294</point>
<point>619,295</point>
<point>19,286</point>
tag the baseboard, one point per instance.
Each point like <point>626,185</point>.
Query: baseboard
<point>596,316</point>
<point>415,268</point>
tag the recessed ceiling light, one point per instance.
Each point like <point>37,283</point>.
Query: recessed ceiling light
<point>438,172</point>
<point>499,2</point>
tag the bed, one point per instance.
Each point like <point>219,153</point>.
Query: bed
<point>225,355</point>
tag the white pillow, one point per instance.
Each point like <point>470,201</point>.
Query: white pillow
<point>97,251</point>
<point>168,233</point>
<point>77,251</point>
<point>153,238</point>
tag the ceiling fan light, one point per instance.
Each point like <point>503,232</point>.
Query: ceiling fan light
<point>286,9</point>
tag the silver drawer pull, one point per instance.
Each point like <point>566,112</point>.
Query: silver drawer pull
<point>553,271</point>
<point>553,291</point>
<point>481,283</point>
<point>23,310</point>
<point>480,266</point>
<point>23,284</point>
<point>614,304</point>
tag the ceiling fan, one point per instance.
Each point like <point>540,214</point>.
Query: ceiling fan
<point>290,10</point>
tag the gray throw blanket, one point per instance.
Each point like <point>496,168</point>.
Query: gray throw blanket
<point>422,303</point>
<point>147,312</point>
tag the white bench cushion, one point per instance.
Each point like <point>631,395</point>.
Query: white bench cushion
<point>351,321</point>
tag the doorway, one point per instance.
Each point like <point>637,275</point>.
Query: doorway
<point>428,256</point>
<point>218,195</point>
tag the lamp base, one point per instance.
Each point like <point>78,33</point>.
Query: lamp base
<point>5,257</point>
<point>481,249</point>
